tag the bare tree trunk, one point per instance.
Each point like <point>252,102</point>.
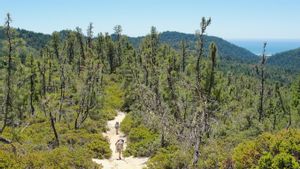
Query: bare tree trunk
<point>52,120</point>
<point>31,96</point>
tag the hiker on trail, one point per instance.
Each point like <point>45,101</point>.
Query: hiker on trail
<point>117,126</point>
<point>119,147</point>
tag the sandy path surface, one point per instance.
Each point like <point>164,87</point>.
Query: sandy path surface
<point>113,163</point>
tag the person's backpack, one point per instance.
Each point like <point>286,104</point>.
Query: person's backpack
<point>119,145</point>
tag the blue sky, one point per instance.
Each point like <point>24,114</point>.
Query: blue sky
<point>231,19</point>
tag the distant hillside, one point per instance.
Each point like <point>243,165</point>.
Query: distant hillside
<point>227,50</point>
<point>33,39</point>
<point>288,60</point>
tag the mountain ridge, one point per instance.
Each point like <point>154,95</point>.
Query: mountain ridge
<point>227,50</point>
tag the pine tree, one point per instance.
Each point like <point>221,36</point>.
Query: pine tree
<point>119,52</point>
<point>202,116</point>
<point>71,46</point>
<point>183,55</point>
<point>55,44</point>
<point>90,35</point>
<point>42,63</point>
<point>8,102</point>
<point>32,83</point>
<point>100,47</point>
<point>213,55</point>
<point>81,58</point>
<point>204,24</point>
<point>111,55</point>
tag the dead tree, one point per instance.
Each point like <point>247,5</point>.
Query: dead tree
<point>262,84</point>
<point>46,108</point>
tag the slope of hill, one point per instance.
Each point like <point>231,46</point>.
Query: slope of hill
<point>227,50</point>
<point>288,60</point>
<point>33,39</point>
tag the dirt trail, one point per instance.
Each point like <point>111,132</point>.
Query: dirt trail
<point>113,163</point>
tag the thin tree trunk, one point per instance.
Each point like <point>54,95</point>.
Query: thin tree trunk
<point>62,92</point>
<point>52,120</point>
<point>32,87</point>
<point>262,89</point>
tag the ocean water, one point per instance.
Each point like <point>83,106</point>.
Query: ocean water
<point>273,46</point>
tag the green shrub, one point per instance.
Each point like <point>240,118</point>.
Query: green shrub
<point>38,133</point>
<point>114,96</point>
<point>286,161</point>
<point>265,162</point>
<point>61,157</point>
<point>280,150</point>
<point>213,153</point>
<point>80,137</point>
<point>108,113</point>
<point>169,158</point>
<point>100,149</point>
<point>127,124</point>
<point>246,155</point>
<point>92,126</point>
<point>142,142</point>
<point>7,160</point>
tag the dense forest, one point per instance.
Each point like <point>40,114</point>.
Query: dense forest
<point>187,105</point>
